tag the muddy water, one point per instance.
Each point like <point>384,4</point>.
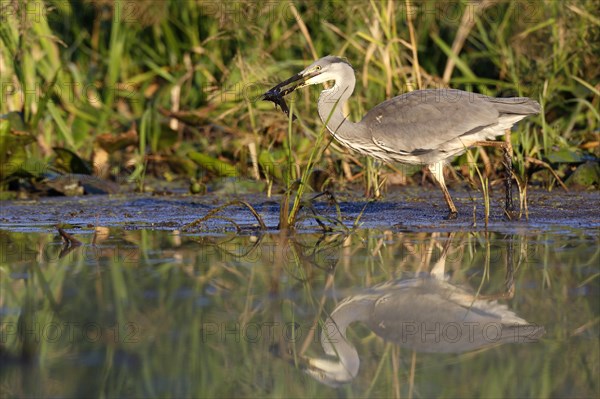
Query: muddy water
<point>412,305</point>
<point>411,209</point>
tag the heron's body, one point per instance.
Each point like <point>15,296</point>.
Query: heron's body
<point>425,127</point>
<point>425,314</point>
<point>422,314</point>
<point>436,125</point>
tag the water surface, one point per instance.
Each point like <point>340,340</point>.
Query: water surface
<point>145,312</point>
<point>433,308</point>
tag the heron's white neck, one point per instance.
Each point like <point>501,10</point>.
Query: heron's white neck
<point>335,343</point>
<point>331,105</point>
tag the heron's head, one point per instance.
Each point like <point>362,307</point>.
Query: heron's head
<point>331,372</point>
<point>321,71</point>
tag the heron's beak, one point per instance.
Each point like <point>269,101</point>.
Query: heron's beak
<point>289,85</point>
<point>276,93</point>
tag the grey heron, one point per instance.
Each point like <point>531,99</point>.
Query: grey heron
<point>426,314</point>
<point>424,127</point>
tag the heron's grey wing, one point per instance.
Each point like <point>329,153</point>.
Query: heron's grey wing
<point>434,317</point>
<point>421,121</point>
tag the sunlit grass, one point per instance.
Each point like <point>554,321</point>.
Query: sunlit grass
<point>102,67</point>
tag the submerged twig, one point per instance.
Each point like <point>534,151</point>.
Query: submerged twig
<point>336,221</point>
<point>332,200</point>
<point>213,215</point>
<point>320,219</point>
<point>70,242</point>
<point>69,239</point>
<point>221,247</point>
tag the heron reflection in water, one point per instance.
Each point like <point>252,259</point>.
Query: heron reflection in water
<point>426,314</point>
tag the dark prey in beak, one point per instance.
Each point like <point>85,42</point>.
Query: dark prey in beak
<point>276,94</point>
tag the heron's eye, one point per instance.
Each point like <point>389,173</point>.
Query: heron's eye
<point>318,67</point>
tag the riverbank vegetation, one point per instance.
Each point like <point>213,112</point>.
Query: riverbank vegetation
<point>153,94</point>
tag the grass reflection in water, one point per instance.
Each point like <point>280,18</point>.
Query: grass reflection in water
<point>149,313</point>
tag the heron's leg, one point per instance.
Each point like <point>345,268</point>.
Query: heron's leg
<point>508,182</point>
<point>508,157</point>
<point>507,153</point>
<point>509,281</point>
<point>437,171</point>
